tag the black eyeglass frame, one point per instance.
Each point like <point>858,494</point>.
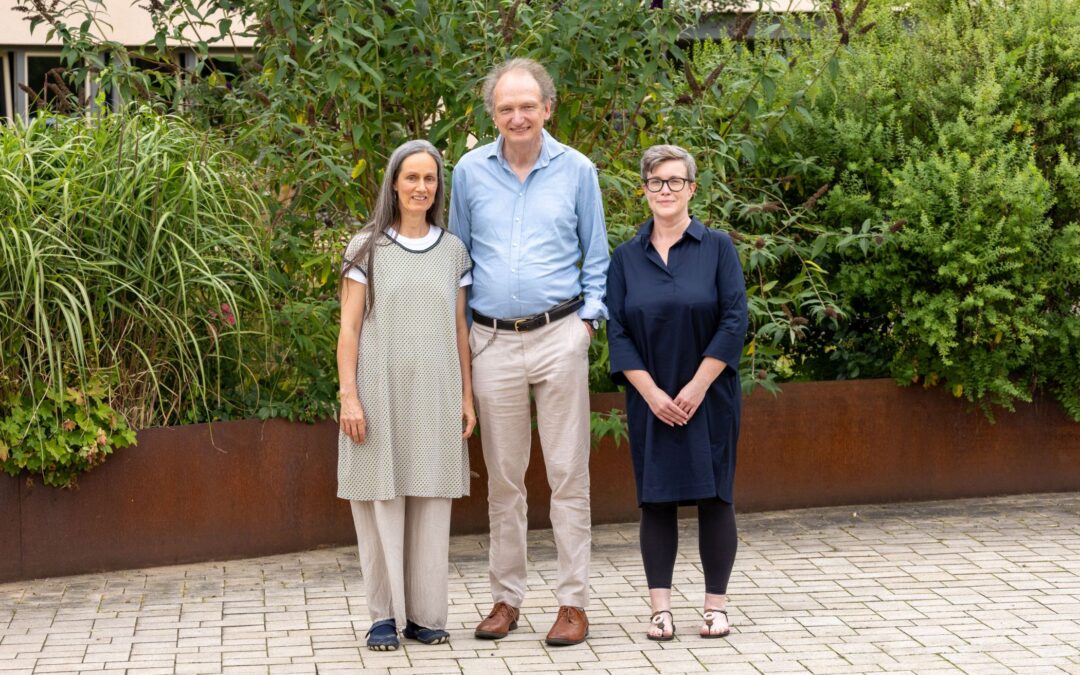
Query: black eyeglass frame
<point>667,181</point>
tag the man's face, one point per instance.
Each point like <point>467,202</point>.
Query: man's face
<point>520,109</point>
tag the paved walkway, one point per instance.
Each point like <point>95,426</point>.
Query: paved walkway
<point>974,586</point>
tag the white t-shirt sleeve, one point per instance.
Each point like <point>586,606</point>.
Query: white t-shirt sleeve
<point>356,275</point>
<point>466,280</point>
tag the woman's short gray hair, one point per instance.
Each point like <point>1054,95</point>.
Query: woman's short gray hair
<point>658,154</point>
<point>538,72</point>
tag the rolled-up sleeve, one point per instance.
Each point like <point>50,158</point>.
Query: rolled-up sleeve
<point>594,244</point>
<point>727,343</point>
<point>623,354</point>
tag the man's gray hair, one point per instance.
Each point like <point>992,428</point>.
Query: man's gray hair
<point>538,72</point>
<point>658,154</point>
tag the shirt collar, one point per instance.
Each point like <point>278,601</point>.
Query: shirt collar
<point>549,150</point>
<point>696,230</point>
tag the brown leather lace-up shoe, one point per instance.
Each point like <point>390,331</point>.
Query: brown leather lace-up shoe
<point>498,624</point>
<point>571,627</point>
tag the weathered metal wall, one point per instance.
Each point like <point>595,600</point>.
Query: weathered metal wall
<point>10,526</point>
<point>237,489</point>
<point>869,441</point>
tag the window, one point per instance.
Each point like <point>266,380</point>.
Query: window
<point>214,77</point>
<point>150,78</point>
<point>223,69</point>
<point>51,88</point>
<point>162,75</point>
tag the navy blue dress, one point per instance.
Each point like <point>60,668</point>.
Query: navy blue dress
<point>664,319</point>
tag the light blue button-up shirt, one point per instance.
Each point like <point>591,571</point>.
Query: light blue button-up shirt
<point>527,239</point>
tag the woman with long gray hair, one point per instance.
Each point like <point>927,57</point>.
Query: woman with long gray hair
<point>406,397</point>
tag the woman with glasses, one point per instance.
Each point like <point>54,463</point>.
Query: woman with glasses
<point>677,304</point>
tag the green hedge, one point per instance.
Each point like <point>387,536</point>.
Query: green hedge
<point>958,124</point>
<point>900,180</point>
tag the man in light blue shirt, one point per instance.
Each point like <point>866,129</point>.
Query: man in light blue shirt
<point>529,210</point>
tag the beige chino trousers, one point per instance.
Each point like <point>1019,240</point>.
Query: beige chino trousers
<point>404,546</point>
<point>551,362</point>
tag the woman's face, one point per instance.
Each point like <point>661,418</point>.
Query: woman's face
<point>670,204</point>
<point>416,184</point>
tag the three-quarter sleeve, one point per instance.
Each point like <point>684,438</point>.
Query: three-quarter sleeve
<point>623,354</point>
<point>727,343</point>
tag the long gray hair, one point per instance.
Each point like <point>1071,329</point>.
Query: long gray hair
<point>387,213</point>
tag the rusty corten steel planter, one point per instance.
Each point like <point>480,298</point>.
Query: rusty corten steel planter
<point>10,524</point>
<point>869,441</point>
<point>239,489</point>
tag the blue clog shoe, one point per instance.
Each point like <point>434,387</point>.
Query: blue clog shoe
<point>429,636</point>
<point>382,636</point>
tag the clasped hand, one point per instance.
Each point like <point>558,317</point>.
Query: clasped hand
<point>677,411</point>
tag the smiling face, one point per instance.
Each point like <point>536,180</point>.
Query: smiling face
<point>416,184</point>
<point>520,109</point>
<point>666,204</point>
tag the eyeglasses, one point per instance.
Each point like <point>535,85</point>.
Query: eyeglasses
<point>675,184</point>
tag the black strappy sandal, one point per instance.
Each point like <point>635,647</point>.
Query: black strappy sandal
<point>709,616</point>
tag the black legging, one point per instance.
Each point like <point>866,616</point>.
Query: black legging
<point>717,542</point>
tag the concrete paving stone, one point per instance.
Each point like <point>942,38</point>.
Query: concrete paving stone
<point>32,639</point>
<point>785,667</point>
<point>197,668</point>
<point>482,666</point>
<point>988,585</point>
<point>693,666</point>
<point>398,659</point>
<point>71,668</point>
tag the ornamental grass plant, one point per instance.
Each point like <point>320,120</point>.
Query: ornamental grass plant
<point>134,283</point>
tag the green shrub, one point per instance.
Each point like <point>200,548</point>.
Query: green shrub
<point>965,280</point>
<point>60,435</point>
<point>956,129</point>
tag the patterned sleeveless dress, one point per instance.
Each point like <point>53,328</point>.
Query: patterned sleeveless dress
<point>408,377</point>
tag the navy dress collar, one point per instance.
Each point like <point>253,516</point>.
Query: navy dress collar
<point>696,230</point>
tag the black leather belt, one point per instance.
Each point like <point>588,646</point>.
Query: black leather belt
<point>527,323</point>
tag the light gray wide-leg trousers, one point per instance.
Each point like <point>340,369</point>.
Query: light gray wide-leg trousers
<point>404,546</point>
